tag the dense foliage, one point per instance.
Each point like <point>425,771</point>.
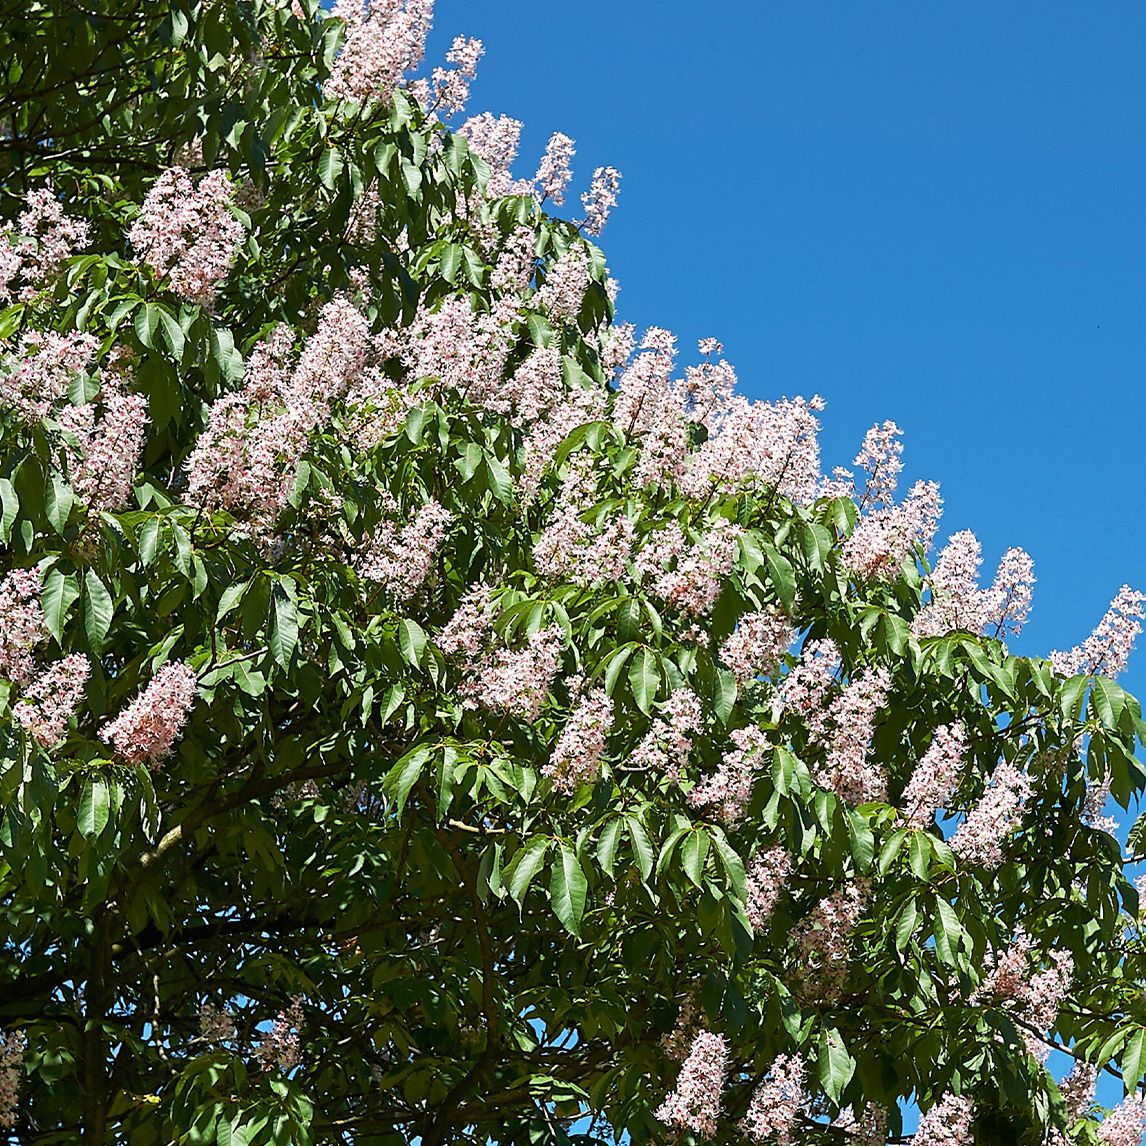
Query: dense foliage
<point>424,715</point>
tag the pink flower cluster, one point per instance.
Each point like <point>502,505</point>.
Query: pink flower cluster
<point>216,1024</point>
<point>755,646</point>
<point>868,1128</point>
<point>957,602</point>
<point>42,370</point>
<point>886,537</point>
<point>1094,806</point>
<point>11,1067</point>
<point>823,941</point>
<point>1126,1123</point>
<point>565,284</point>
<point>578,407</point>
<point>600,199</point>
<point>103,461</point>
<point>981,836</point>
<point>665,748</point>
<point>464,634</point>
<point>847,771</point>
<point>147,729</point>
<point>1077,1088</point>
<point>516,681</point>
<point>576,756</point>
<point>281,1045</point>
<point>188,234</point>
<point>496,139</point>
<point>881,457</point>
<point>400,559</point>
<point>449,88</point>
<point>688,575</point>
<point>947,1123</point>
<point>384,40</point>
<point>21,624</point>
<point>52,700</point>
<point>777,1103</point>
<point>43,238</point>
<point>935,775</point>
<point>555,171</point>
<point>805,689</point>
<point>694,1103</point>
<point>729,788</point>
<point>765,878</point>
<point>1108,648</point>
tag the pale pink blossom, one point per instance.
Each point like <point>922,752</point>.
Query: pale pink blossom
<point>516,263</point>
<point>1108,648</point>
<point>885,538</point>
<point>600,199</point>
<point>400,558</point>
<point>536,385</point>
<point>694,1103</point>
<point>281,1045</point>
<point>384,39</point>
<point>777,1103</point>
<point>449,88</point>
<point>823,941</point>
<point>148,728</point>
<point>806,687</point>
<point>1008,603</point>
<point>1077,1089</point>
<point>495,138</point>
<point>678,1042</point>
<point>1094,806</point>
<point>466,631</point>
<point>1125,1125</point>
<point>187,233</point>
<point>106,453</point>
<point>554,173</point>
<point>52,699</point>
<point>729,788</point>
<point>578,406</point>
<point>37,377</point>
<point>516,681</point>
<point>881,456</point>
<point>216,1024</point>
<point>11,1069</point>
<point>576,756</point>
<point>10,263</point>
<point>615,346</point>
<point>868,1128</point>
<point>690,575</point>
<point>42,239</point>
<point>981,836</point>
<point>757,644</point>
<point>947,1123</point>
<point>765,880</point>
<point>848,770</point>
<point>956,602</point>
<point>565,284</point>
<point>935,775</point>
<point>21,624</point>
<point>666,747</point>
<point>707,391</point>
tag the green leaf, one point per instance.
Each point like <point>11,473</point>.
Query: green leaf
<point>607,844</point>
<point>835,1065</point>
<point>330,167</point>
<point>723,694</point>
<point>230,598</point>
<point>283,638</point>
<point>949,933</point>
<point>567,888</point>
<point>862,840</point>
<point>644,678</point>
<point>60,593</point>
<point>9,507</point>
<point>412,641</point>
<point>450,261</point>
<point>172,332</point>
<point>404,775</point>
<point>94,809</point>
<point>99,608</point>
<point>58,502</point>
<point>525,866</point>
<point>1133,1060</point>
<point>781,575</point>
<point>642,848</point>
<point>498,479</point>
<point>693,854</point>
<point>147,323</point>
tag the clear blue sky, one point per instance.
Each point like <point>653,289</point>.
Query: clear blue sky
<point>930,213</point>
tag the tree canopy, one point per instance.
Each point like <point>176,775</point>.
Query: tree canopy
<point>427,714</point>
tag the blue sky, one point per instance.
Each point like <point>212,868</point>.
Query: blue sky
<point>929,213</point>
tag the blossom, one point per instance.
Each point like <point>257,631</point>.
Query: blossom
<point>885,538</point>
<point>666,746</point>
<point>1108,648</point>
<point>11,1067</point>
<point>449,88</point>
<point>847,770</point>
<point>1094,806</point>
<point>980,838</point>
<point>52,700</point>
<point>805,688</point>
<point>694,1103</point>
<point>690,576</point>
<point>216,1024</point>
<point>102,462</point>
<point>935,775</point>
<point>1008,600</point>
<point>823,940</point>
<point>577,407</point>
<point>148,728</point>
<point>881,455</point>
<point>43,238</point>
<point>495,138</point>
<point>401,559</point>
<point>765,879</point>
<point>868,1128</point>
<point>536,384</point>
<point>516,681</point>
<point>1077,1088</point>
<point>280,1046</point>
<point>755,646</point>
<point>188,234</point>
<point>21,624</point>
<point>577,753</point>
<point>947,1123</point>
<point>600,199</point>
<point>1126,1123</point>
<point>777,1103</point>
<point>384,40</point>
<point>565,285</point>
<point>730,786</point>
<point>39,375</point>
<point>466,631</point>
<point>554,173</point>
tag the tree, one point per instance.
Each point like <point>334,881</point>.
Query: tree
<point>425,717</point>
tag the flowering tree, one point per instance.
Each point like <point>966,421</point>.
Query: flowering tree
<point>428,714</point>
